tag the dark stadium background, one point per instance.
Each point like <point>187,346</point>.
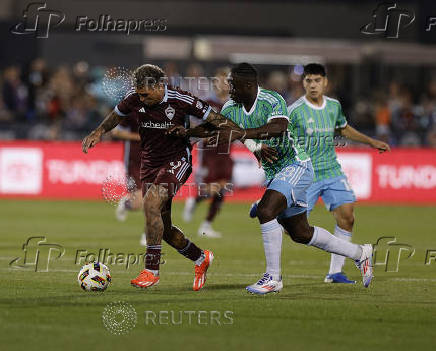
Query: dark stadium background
<point>387,87</point>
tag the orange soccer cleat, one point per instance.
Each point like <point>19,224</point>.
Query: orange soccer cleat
<point>201,269</point>
<point>145,279</point>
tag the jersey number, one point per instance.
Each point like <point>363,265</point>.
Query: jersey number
<point>174,166</point>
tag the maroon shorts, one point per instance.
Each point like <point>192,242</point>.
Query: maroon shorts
<point>217,167</point>
<point>172,175</point>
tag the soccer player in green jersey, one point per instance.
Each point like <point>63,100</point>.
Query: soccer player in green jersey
<point>261,115</point>
<point>315,118</point>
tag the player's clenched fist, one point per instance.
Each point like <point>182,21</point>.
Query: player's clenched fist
<point>91,140</point>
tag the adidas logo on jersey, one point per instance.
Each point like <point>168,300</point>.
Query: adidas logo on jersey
<point>142,109</point>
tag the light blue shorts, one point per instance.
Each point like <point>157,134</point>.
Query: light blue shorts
<point>334,192</point>
<point>293,182</point>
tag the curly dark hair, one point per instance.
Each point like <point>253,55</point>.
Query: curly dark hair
<point>148,75</point>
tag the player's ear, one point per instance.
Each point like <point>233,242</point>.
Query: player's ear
<point>326,81</point>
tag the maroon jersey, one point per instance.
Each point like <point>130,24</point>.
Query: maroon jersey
<point>132,150</point>
<point>213,163</point>
<point>157,147</point>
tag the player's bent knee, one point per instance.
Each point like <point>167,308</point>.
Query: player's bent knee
<point>265,214</point>
<point>300,235</point>
<point>300,231</point>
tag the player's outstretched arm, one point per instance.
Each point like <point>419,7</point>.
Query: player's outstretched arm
<point>204,130</point>
<point>125,135</point>
<point>221,122</point>
<point>213,123</point>
<point>353,134</point>
<point>274,128</point>
<point>109,123</point>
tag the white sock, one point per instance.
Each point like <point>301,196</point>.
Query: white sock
<point>155,272</point>
<point>322,239</point>
<point>338,261</point>
<point>272,243</point>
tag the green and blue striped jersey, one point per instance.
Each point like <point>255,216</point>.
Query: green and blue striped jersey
<point>314,130</point>
<point>268,105</point>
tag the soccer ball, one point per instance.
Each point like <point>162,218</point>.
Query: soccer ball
<point>94,277</point>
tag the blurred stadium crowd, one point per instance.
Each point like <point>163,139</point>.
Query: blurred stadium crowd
<point>65,102</point>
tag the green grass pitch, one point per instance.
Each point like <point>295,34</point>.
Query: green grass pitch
<point>49,311</point>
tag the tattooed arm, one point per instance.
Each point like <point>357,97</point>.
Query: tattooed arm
<point>203,130</point>
<point>214,122</point>
<point>230,131</point>
<point>275,127</point>
<point>109,123</point>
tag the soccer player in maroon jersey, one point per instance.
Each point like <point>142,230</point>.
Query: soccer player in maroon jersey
<point>165,163</point>
<point>214,167</point>
<point>128,130</point>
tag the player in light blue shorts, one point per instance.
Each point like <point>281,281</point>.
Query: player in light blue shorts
<point>293,182</point>
<point>316,118</point>
<point>260,116</point>
<point>334,192</point>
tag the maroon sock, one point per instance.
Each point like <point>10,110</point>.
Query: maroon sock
<point>191,251</point>
<point>152,257</point>
<point>215,206</point>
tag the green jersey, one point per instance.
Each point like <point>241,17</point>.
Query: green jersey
<point>315,127</point>
<point>268,105</point>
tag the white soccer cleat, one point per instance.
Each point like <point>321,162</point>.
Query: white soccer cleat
<point>365,264</point>
<point>189,209</point>
<point>121,211</point>
<point>207,231</point>
<point>265,285</point>
<point>143,241</point>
